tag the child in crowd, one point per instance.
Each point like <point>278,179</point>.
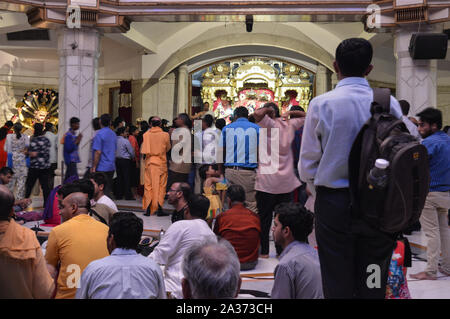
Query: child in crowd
<point>214,186</point>
<point>397,285</point>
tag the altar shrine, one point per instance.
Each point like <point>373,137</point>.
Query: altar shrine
<point>252,82</point>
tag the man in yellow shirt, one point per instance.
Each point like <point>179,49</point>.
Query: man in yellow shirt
<point>72,245</point>
<point>155,146</point>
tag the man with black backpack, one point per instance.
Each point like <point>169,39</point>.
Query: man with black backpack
<point>354,256</point>
<point>434,218</point>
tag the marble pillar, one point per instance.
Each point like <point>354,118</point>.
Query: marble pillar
<point>79,50</point>
<point>183,89</point>
<point>323,80</point>
<point>416,80</point>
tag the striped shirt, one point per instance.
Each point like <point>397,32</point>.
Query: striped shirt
<point>124,148</point>
<point>123,275</point>
<point>438,147</point>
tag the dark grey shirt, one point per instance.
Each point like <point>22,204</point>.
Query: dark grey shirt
<point>297,275</point>
<point>41,145</point>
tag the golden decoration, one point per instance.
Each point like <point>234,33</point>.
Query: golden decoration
<point>39,106</point>
<point>257,73</point>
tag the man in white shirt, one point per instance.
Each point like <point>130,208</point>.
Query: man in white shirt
<point>179,237</point>
<point>99,180</point>
<point>207,154</point>
<point>124,274</point>
<point>412,128</point>
<point>53,138</point>
<point>347,246</point>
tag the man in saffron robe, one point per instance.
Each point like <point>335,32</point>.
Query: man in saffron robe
<point>155,146</point>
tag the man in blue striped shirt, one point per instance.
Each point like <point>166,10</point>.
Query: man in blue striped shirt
<point>434,218</point>
<point>124,155</point>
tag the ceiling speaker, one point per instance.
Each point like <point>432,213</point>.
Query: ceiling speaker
<point>427,46</point>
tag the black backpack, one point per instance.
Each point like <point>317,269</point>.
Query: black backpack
<point>399,204</point>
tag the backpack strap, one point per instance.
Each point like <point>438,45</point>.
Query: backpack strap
<point>94,213</point>
<point>381,97</point>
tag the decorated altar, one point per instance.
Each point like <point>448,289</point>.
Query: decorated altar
<point>252,82</point>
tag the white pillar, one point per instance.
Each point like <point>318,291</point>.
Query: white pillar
<point>182,95</point>
<point>416,79</point>
<point>334,80</point>
<point>78,85</point>
<point>323,80</point>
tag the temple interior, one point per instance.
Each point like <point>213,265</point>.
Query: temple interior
<point>145,62</point>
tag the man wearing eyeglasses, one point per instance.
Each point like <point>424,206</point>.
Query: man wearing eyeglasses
<point>72,245</point>
<point>177,196</point>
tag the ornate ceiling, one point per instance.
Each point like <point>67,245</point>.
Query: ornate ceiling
<point>116,15</point>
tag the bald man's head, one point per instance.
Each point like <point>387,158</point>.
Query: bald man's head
<point>78,198</point>
<point>6,202</point>
<point>73,205</point>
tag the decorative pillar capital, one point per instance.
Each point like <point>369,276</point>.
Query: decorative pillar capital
<point>84,42</point>
<point>321,68</point>
<point>323,79</point>
<point>183,68</point>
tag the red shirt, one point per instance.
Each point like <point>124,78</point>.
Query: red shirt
<point>241,227</point>
<point>135,145</point>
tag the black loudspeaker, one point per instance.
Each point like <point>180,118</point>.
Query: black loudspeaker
<point>249,22</point>
<point>427,46</point>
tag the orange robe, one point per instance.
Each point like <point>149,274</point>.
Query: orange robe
<point>155,145</point>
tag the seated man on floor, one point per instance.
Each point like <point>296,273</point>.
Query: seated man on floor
<point>211,271</point>
<point>125,274</point>
<point>99,212</point>
<point>297,275</point>
<point>100,180</point>
<point>75,243</point>
<point>6,174</point>
<point>24,273</point>
<point>178,238</point>
<point>177,196</point>
<point>241,227</point>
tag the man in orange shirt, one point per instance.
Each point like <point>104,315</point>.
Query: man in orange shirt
<point>241,227</point>
<point>23,272</point>
<point>155,145</point>
<point>72,245</point>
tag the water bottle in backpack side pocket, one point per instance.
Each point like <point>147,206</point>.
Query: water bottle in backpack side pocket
<point>378,175</point>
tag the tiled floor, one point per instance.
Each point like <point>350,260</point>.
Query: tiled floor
<point>258,282</point>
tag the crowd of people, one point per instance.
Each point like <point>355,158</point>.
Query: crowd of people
<point>230,186</point>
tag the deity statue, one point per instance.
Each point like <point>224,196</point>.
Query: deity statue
<point>40,106</point>
<point>224,110</point>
